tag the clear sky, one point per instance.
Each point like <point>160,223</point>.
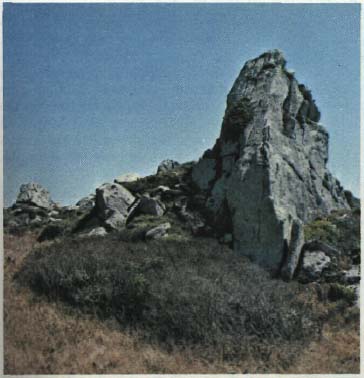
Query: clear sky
<point>94,91</point>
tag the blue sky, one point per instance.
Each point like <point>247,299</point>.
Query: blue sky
<point>92,91</point>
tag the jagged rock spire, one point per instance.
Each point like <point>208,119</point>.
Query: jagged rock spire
<point>267,170</point>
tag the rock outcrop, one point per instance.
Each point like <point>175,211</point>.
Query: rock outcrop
<point>127,177</point>
<point>167,165</point>
<point>86,203</point>
<point>112,205</point>
<point>267,170</point>
<point>34,194</point>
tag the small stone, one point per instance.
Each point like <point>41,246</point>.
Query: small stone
<point>98,231</point>
<point>54,220</point>
<point>158,232</point>
<point>36,221</point>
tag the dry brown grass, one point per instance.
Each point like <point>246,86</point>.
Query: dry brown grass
<point>49,338</point>
<point>337,351</point>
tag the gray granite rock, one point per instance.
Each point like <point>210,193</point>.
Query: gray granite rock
<point>34,194</point>
<point>158,232</point>
<point>150,206</point>
<point>167,165</point>
<point>294,249</point>
<point>127,177</point>
<point>270,162</point>
<point>112,204</point>
<point>98,231</point>
<point>86,203</point>
<point>204,173</point>
<point>314,262</point>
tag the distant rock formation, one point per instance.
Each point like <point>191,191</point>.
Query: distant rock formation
<point>127,177</point>
<point>34,194</point>
<point>167,165</point>
<point>267,170</point>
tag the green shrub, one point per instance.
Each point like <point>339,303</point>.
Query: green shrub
<point>236,119</point>
<point>340,292</point>
<point>321,229</point>
<point>195,292</point>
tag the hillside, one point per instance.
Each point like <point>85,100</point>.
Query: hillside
<point>247,260</point>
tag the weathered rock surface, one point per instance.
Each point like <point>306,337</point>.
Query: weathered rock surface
<point>86,203</point>
<point>112,204</point>
<point>167,165</point>
<point>267,169</point>
<point>294,249</point>
<point>314,262</point>
<point>127,177</point>
<point>158,232</point>
<point>34,194</point>
<point>150,206</point>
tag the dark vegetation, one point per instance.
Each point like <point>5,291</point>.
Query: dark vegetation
<point>236,119</point>
<point>178,292</point>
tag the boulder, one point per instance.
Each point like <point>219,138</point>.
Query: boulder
<point>167,165</point>
<point>150,206</point>
<point>112,204</point>
<point>86,203</point>
<point>158,232</point>
<point>127,177</point>
<point>267,169</point>
<point>314,262</point>
<point>34,194</point>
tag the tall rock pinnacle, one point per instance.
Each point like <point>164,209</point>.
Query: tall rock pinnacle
<point>266,174</point>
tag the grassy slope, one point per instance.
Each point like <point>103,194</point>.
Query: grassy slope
<point>43,337</point>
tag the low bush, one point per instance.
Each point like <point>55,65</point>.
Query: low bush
<point>340,292</point>
<point>178,292</point>
<point>340,229</point>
